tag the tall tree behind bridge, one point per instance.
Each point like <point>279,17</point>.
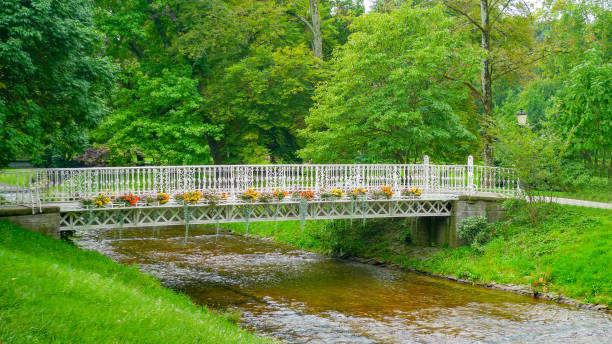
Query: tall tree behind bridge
<point>53,79</point>
<point>506,34</point>
<point>210,81</point>
<point>395,92</point>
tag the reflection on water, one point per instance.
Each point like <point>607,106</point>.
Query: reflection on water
<point>302,297</point>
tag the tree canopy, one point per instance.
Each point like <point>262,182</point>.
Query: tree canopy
<point>245,81</point>
<point>54,78</point>
<point>393,95</point>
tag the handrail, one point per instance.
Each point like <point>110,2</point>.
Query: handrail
<point>66,184</point>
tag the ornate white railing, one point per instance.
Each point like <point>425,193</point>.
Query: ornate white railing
<point>66,184</point>
<point>18,187</point>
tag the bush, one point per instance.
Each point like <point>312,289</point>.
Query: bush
<point>513,205</point>
<point>476,231</point>
<point>470,227</point>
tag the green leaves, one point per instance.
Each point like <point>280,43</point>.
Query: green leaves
<point>159,118</point>
<point>227,82</point>
<point>54,78</point>
<point>582,110</point>
<point>392,95</point>
<point>263,98</point>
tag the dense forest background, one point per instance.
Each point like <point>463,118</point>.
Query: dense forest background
<point>112,82</point>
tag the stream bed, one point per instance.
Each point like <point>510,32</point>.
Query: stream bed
<point>302,297</point>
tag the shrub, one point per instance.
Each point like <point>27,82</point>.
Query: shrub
<point>481,238</point>
<point>476,231</point>
<point>471,226</point>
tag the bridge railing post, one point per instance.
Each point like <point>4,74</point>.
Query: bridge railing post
<point>426,171</point>
<point>470,174</point>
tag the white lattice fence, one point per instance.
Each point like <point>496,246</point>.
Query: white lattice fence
<point>107,218</point>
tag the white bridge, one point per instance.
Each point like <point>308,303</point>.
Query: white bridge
<point>439,184</point>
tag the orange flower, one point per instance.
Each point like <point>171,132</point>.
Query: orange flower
<point>308,195</point>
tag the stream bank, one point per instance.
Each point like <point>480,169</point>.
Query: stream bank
<point>303,297</point>
<point>570,249</point>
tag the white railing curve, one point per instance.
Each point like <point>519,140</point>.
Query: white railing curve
<point>68,184</point>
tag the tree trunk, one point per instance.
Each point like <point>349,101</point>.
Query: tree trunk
<point>216,150</point>
<point>317,38</point>
<point>487,94</point>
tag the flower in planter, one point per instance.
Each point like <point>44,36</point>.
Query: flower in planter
<point>99,201</point>
<point>265,197</point>
<point>337,193</point>
<point>192,197</point>
<point>357,192</point>
<point>280,195</point>
<point>250,195</point>
<point>334,193</point>
<point>163,198</point>
<point>149,199</point>
<point>212,197</point>
<point>307,195</point>
<point>387,191</point>
<point>377,194</point>
<point>179,197</point>
<point>326,195</point>
<point>128,199</point>
<point>414,191</point>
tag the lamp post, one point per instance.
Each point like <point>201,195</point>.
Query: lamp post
<point>521,118</point>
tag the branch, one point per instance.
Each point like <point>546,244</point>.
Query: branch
<point>501,11</point>
<point>291,13</point>
<point>475,23</point>
<point>541,57</point>
<point>158,25</point>
<point>134,49</point>
<point>469,85</point>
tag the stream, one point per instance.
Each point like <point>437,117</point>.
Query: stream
<point>302,297</point>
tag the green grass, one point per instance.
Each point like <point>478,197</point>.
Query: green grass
<point>53,292</point>
<point>603,195</point>
<point>573,244</point>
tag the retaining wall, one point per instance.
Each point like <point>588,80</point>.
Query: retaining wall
<point>45,220</point>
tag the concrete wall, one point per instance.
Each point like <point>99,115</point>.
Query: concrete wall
<point>46,222</point>
<point>442,231</point>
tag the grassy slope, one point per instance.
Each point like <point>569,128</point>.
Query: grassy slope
<point>574,244</point>
<point>604,195</point>
<point>52,292</point>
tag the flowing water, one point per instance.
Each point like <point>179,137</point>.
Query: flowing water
<point>302,297</point>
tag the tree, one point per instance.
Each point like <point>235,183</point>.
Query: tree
<point>158,118</point>
<point>566,92</point>
<point>389,98</point>
<point>314,26</point>
<point>53,79</point>
<point>262,101</point>
<point>582,111</point>
<point>506,35</point>
<point>537,160</point>
<point>233,80</point>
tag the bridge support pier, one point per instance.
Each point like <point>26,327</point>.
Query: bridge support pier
<point>46,220</point>
<point>442,231</point>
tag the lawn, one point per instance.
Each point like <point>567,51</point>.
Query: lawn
<point>54,292</point>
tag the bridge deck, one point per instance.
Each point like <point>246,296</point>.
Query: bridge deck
<point>75,217</point>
